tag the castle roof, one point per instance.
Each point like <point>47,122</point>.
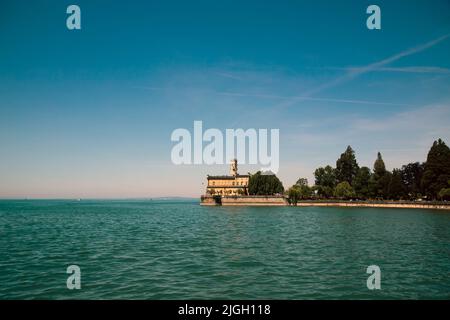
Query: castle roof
<point>228,177</point>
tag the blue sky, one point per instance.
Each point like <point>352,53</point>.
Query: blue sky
<point>89,113</point>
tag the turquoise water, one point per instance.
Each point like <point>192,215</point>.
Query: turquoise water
<point>180,250</point>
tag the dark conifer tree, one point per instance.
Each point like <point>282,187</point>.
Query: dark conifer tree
<point>379,182</point>
<point>361,183</point>
<point>437,169</point>
<point>396,189</point>
<point>346,166</point>
<point>411,176</point>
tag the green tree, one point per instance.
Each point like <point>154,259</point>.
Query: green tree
<point>396,189</point>
<point>444,194</point>
<point>344,191</point>
<point>325,181</point>
<point>379,167</point>
<point>325,192</point>
<point>380,179</point>
<point>305,190</point>
<point>411,176</point>
<point>346,166</point>
<point>325,177</point>
<point>299,191</point>
<point>293,195</point>
<point>302,182</point>
<point>264,184</point>
<point>437,169</point>
<point>361,183</point>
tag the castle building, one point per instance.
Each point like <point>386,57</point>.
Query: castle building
<point>232,185</point>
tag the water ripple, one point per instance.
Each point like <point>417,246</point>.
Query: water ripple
<point>179,250</point>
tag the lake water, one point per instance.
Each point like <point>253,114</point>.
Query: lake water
<point>180,250</point>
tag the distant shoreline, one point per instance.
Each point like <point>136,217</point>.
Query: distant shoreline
<point>93,198</point>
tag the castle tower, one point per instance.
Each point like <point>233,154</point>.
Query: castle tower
<point>233,168</point>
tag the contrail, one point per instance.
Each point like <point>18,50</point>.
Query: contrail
<point>268,96</point>
<point>351,74</point>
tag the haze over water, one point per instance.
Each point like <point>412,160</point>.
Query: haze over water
<point>180,250</point>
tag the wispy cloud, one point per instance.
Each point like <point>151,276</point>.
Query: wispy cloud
<point>353,101</point>
<point>149,88</point>
<point>428,120</point>
<point>354,73</point>
<point>228,75</point>
<point>415,69</point>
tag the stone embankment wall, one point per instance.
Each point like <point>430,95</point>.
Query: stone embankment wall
<point>411,205</point>
<point>246,201</point>
<point>282,201</point>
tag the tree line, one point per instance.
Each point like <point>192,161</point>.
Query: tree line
<point>429,180</point>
